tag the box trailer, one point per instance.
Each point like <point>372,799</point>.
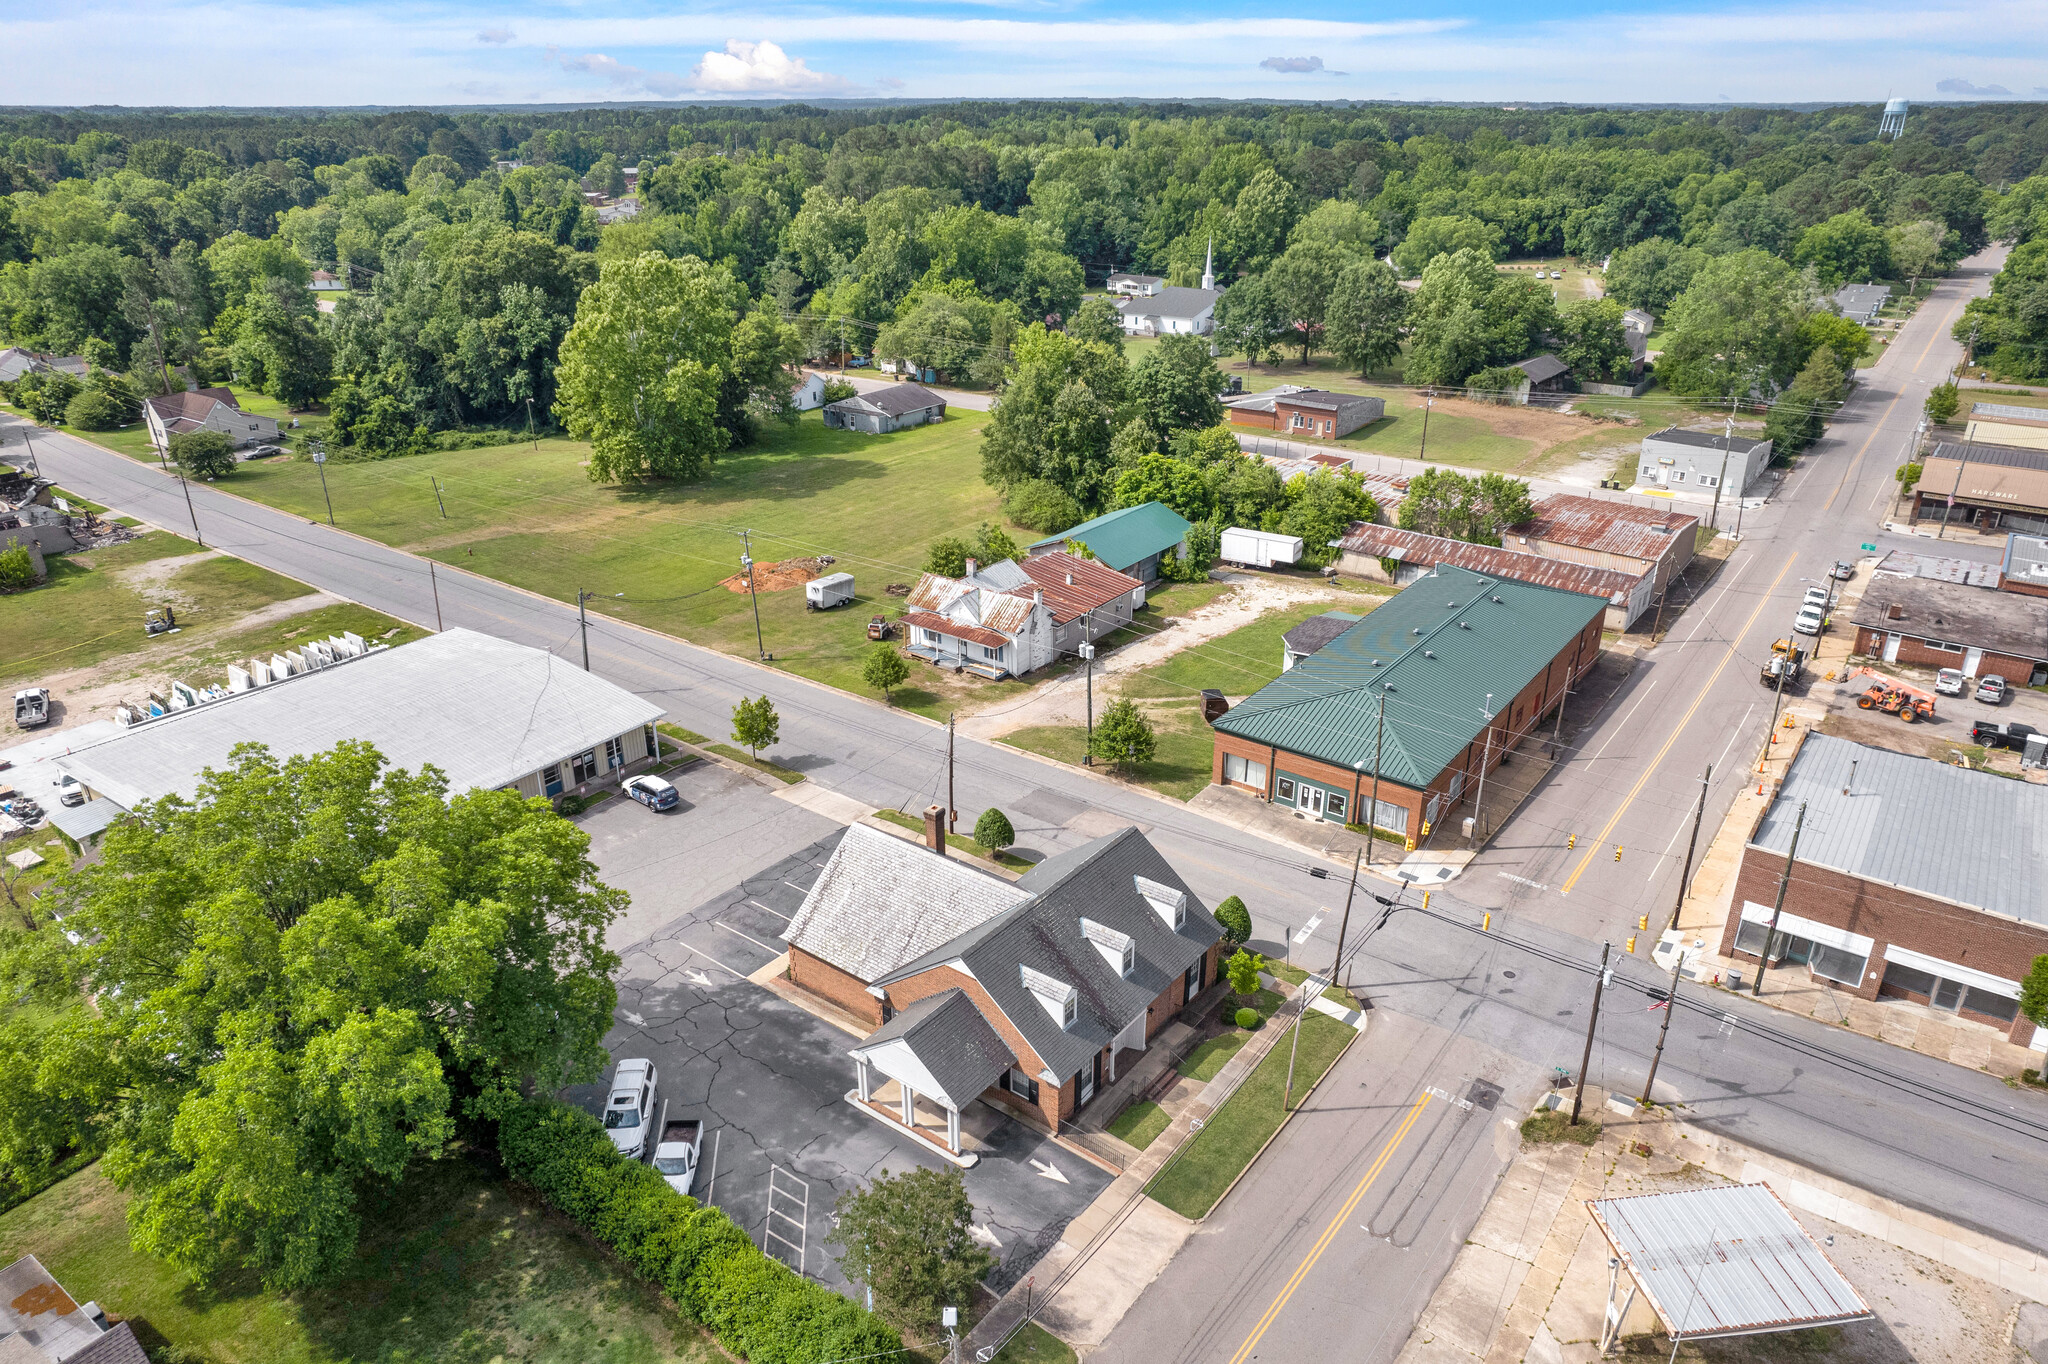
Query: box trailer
<point>834,589</point>
<point>1259,548</point>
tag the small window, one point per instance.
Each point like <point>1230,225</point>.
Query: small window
<point>1130,959</point>
<point>647,738</point>
<point>932,637</point>
<point>614,754</point>
<point>1284,789</point>
<point>1022,1085</point>
<point>1073,1011</point>
<point>1678,475</point>
<point>1649,471</point>
<point>1710,480</point>
<point>995,653</point>
<point>1334,803</point>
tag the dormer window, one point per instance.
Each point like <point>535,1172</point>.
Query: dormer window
<point>1120,950</point>
<point>1171,905</point>
<point>1059,999</point>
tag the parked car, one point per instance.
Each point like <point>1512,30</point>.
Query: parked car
<point>1949,682</point>
<point>656,793</point>
<point>629,1112</point>
<point>1989,733</point>
<point>1844,569</point>
<point>1991,689</point>
<point>1817,596</point>
<point>1808,621</point>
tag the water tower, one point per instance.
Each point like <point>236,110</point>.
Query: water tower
<point>1893,124</point>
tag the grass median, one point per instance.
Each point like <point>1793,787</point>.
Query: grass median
<point>1194,1181</point>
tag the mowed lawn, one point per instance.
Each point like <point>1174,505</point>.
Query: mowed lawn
<point>92,605</point>
<point>456,1269</point>
<point>529,515</point>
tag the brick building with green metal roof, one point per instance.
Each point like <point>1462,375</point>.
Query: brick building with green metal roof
<point>1131,540</point>
<point>1405,692</point>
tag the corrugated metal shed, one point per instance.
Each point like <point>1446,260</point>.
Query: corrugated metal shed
<point>1727,1261</point>
<point>1122,538</point>
<point>1413,547</point>
<point>1608,527</point>
<point>1971,837</point>
<point>1438,648</point>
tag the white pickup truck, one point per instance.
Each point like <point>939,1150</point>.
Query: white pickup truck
<point>675,1155</point>
<point>629,1112</point>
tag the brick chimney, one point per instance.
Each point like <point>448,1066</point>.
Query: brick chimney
<point>935,828</point>
<point>970,568</point>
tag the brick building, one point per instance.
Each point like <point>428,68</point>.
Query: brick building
<point>1029,995</point>
<point>1431,689</point>
<point>1913,880</point>
<point>1617,535</point>
<point>1297,411</point>
<point>1938,624</point>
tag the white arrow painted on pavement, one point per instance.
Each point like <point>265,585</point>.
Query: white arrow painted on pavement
<point>984,1235</point>
<point>698,977</point>
<point>1047,1170</point>
<point>636,1020</point>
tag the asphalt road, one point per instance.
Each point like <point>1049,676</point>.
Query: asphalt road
<point>1860,1113</point>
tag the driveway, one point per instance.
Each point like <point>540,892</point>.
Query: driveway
<point>768,1079</point>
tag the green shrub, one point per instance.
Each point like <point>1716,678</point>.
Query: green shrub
<point>92,410</point>
<point>203,454</point>
<point>1236,921</point>
<point>17,567</point>
<point>713,1271</point>
<point>1247,1019</point>
<point>993,830</point>
<point>1043,506</point>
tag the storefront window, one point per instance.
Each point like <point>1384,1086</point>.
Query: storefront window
<point>1244,772</point>
<point>1284,790</point>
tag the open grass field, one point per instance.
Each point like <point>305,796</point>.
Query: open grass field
<point>92,605</point>
<point>1181,756</point>
<point>455,1269</point>
<point>1193,1183</point>
<point>529,515</point>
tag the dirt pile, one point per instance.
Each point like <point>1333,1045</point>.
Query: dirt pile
<point>777,577</point>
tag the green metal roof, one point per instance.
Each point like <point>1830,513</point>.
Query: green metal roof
<point>1123,538</point>
<point>1438,648</point>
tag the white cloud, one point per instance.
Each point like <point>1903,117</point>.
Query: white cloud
<point>497,37</point>
<point>1956,86</point>
<point>664,84</point>
<point>1293,64</point>
<point>748,68</point>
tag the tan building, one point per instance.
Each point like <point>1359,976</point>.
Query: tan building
<point>204,409</point>
<point>1589,530</point>
<point>1989,487</point>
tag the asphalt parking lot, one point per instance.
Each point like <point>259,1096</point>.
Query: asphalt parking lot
<point>766,1078</point>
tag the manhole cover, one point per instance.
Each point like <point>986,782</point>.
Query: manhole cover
<point>1507,975</point>
<point>1483,1094</point>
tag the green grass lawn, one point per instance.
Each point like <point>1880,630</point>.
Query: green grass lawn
<point>1140,1124</point>
<point>532,517</point>
<point>960,841</point>
<point>1294,975</point>
<point>1237,663</point>
<point>92,606</point>
<point>453,1269</point>
<point>1206,1060</point>
<point>1035,1345</point>
<point>1196,1179</point>
<point>1182,749</point>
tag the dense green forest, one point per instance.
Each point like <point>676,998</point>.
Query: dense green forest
<point>146,239</point>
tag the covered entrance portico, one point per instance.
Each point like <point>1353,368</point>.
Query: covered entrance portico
<point>940,1051</point>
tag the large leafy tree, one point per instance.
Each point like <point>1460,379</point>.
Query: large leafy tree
<point>1735,329</point>
<point>1467,315</point>
<point>1651,273</point>
<point>1846,247</point>
<point>1251,319</point>
<point>1057,415</point>
<point>909,1237</point>
<point>1174,387</point>
<point>1591,339</point>
<point>301,981</point>
<point>1367,310</point>
<point>1458,506</point>
<point>640,372</point>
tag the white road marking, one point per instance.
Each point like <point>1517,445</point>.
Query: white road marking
<point>698,977</point>
<point>755,941</point>
<point>1047,1170</point>
<point>1308,929</point>
<point>984,1235</point>
<point>765,910</point>
<point>636,1020</point>
<point>1522,880</point>
<point>1625,719</point>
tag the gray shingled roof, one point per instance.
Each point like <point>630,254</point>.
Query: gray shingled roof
<point>117,1346</point>
<point>1541,367</point>
<point>1971,837</point>
<point>950,1039</point>
<point>1172,301</point>
<point>894,401</point>
<point>1705,440</point>
<point>882,901</point>
<point>1096,881</point>
<point>1313,633</point>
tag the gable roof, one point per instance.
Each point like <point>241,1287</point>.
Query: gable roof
<point>1124,537</point>
<point>1434,674</point>
<point>193,405</point>
<point>1097,881</point>
<point>947,1034</point>
<point>973,602</point>
<point>1541,367</point>
<point>1172,301</point>
<point>1411,546</point>
<point>1608,527</point>
<point>893,401</point>
<point>1074,586</point>
<point>882,901</point>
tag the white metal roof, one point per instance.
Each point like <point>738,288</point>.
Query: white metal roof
<point>484,710</point>
<point>1726,1261</point>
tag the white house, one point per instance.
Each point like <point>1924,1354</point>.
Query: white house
<point>992,622</point>
<point>1135,286</point>
<point>1169,309</point>
<point>810,394</point>
<point>1695,462</point>
<point>204,409</point>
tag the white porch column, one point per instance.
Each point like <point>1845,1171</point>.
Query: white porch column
<point>953,1129</point>
<point>909,1105</point>
<point>860,1070</point>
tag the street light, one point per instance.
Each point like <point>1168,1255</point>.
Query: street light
<point>583,621</point>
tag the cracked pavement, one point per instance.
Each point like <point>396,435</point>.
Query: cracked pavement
<point>766,1078</point>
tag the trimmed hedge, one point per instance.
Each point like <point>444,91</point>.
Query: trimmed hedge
<point>714,1273</point>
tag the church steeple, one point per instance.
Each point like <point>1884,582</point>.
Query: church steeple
<point>1209,266</point>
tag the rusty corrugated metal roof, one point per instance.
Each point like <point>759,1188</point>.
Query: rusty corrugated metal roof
<point>973,634</point>
<point>1073,585</point>
<point>1609,527</point>
<point>1416,548</point>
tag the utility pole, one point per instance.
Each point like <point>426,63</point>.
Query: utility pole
<point>1479,801</point>
<point>435,582</point>
<point>747,562</point>
<point>529,425</point>
<point>1727,446</point>
<point>1372,813</point>
<point>1336,965</point>
<point>35,469</point>
<point>320,463</point>
<point>1678,952</point>
<point>1088,653</point>
<point>1763,960</point>
<point>1777,700</point>
<point>952,815</point>
<point>437,496</point>
<point>1599,984</point>
<point>188,509</point>
<point>1428,401</point>
<point>583,624</point>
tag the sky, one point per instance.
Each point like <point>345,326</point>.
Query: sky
<point>264,52</point>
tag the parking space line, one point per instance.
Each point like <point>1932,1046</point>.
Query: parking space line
<point>786,918</point>
<point>755,941</point>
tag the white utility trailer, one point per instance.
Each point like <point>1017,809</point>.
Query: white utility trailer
<point>834,589</point>
<point>1259,548</point>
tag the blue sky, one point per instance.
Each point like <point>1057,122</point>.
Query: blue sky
<point>258,52</point>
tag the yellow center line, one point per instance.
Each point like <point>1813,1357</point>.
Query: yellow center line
<point>1676,730</point>
<point>1939,332</point>
<point>1322,1242</point>
<point>1850,472</point>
